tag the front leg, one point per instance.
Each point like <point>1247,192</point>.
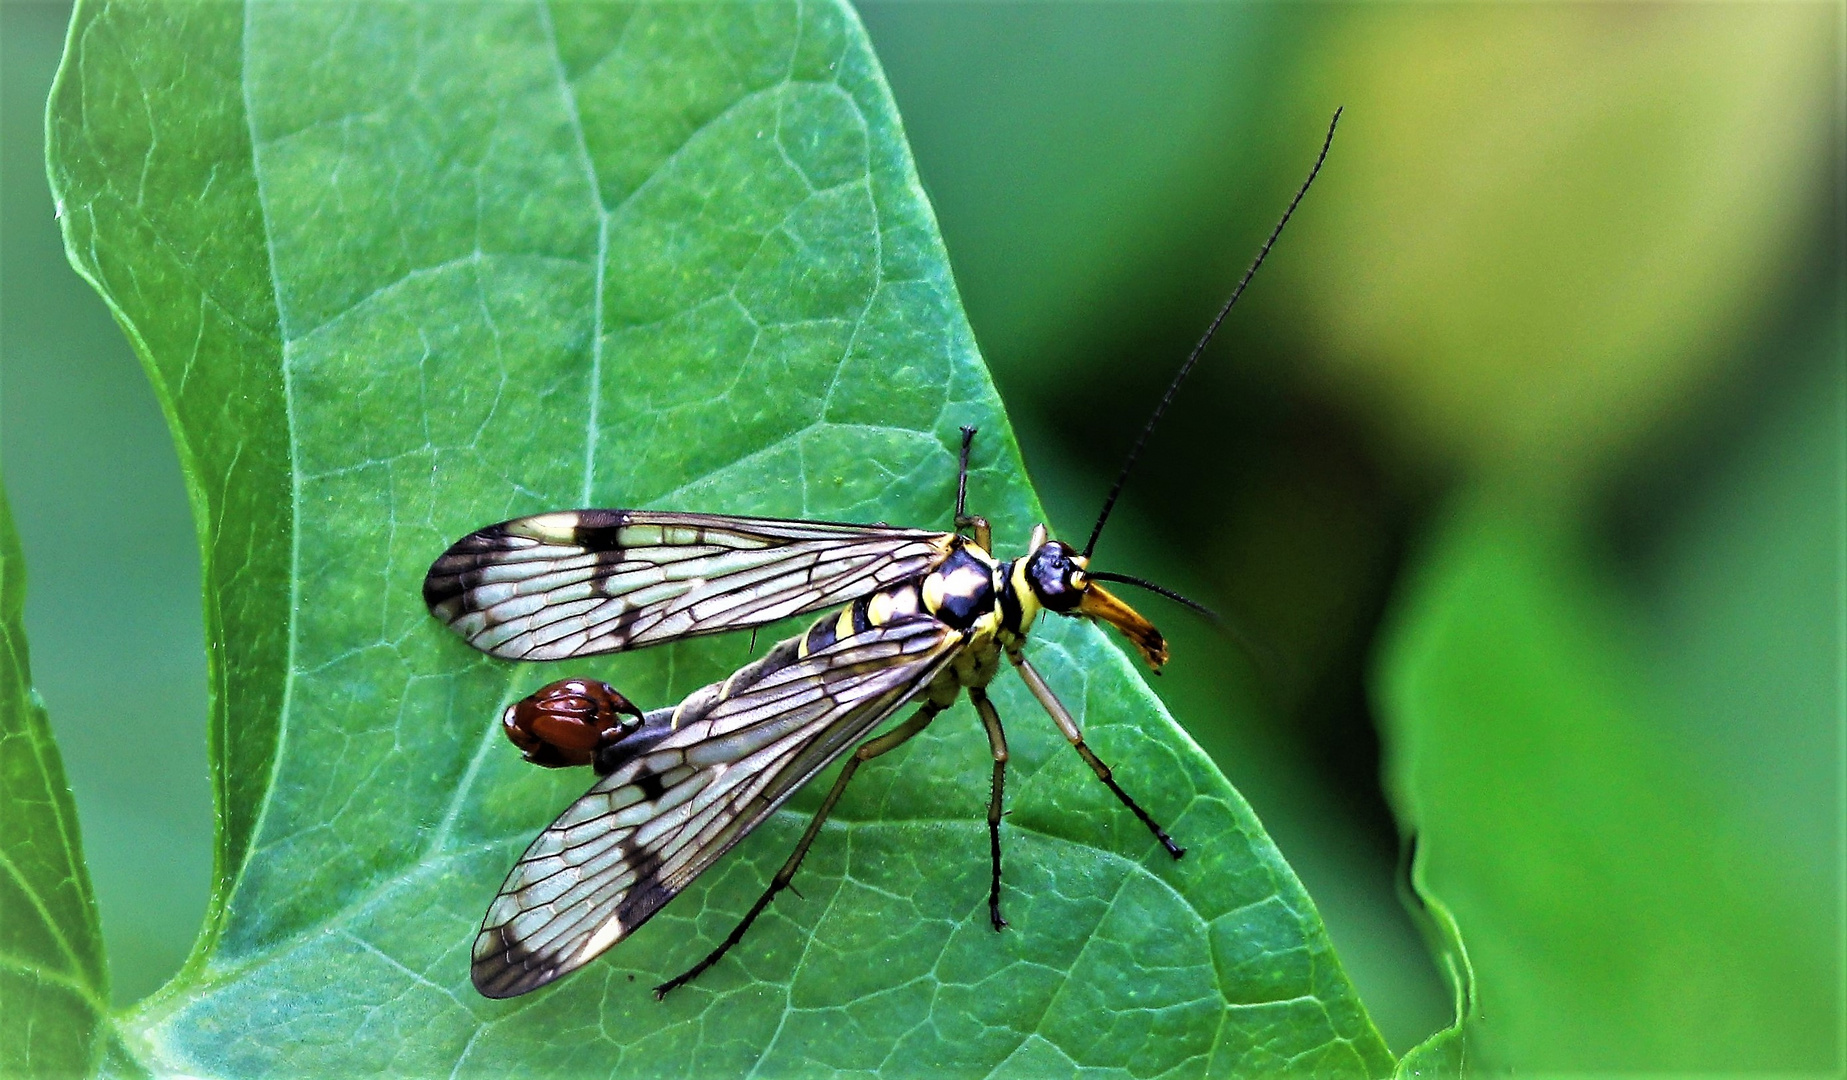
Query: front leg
<point>997,742</point>
<point>984,534</point>
<point>1062,717</point>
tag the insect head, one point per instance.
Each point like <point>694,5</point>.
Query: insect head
<point>1060,580</point>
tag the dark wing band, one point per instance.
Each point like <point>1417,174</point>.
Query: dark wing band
<point>580,582</point>
<point>734,752</point>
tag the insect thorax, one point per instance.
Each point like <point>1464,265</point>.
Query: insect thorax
<point>969,591</point>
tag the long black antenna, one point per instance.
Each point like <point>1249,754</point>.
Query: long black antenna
<point>1158,589</point>
<point>1187,368</point>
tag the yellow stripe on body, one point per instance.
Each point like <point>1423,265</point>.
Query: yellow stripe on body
<point>933,593</point>
<point>1023,595</point>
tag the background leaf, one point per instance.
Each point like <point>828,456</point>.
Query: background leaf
<point>1559,222</point>
<point>1621,905</point>
<point>1447,1051</point>
<point>80,429</point>
<point>54,984</point>
<point>450,264</point>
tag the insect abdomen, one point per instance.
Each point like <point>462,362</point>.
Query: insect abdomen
<point>893,604</point>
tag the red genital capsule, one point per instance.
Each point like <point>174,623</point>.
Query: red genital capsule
<point>567,722</point>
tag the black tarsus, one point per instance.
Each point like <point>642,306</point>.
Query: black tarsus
<point>968,438</point>
<point>984,536</point>
<point>1186,369</point>
<point>1068,725</point>
<point>997,742</point>
<point>1108,777</point>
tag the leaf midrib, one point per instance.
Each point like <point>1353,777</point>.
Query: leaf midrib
<point>221,900</point>
<point>603,216</point>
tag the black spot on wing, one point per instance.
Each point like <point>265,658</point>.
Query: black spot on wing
<point>506,968</point>
<point>453,572</point>
<point>459,570</point>
<point>655,726</point>
<point>597,529</point>
<point>652,787</point>
<point>647,895</point>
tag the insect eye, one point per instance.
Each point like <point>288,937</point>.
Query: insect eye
<point>1050,574</point>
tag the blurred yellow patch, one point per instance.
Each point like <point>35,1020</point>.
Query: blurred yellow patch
<point>1551,220</point>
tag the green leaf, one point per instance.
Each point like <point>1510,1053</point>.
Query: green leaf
<point>54,985</point>
<point>1087,162</point>
<point>1447,1051</point>
<point>398,272</point>
<point>1623,911</point>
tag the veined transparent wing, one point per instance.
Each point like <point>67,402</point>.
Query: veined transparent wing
<point>580,582</point>
<point>694,783</point>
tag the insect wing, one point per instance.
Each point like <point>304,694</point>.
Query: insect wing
<point>735,752</point>
<point>580,582</point>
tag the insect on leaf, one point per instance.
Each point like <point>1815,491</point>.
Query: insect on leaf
<point>402,271</point>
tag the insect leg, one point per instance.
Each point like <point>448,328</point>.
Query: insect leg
<point>997,741</point>
<point>968,439</point>
<point>868,750</point>
<point>984,534</point>
<point>1062,717</point>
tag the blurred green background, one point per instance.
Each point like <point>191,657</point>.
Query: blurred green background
<point>1520,471</point>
